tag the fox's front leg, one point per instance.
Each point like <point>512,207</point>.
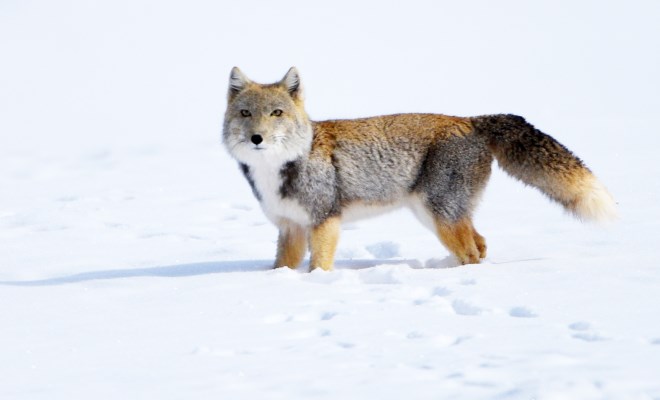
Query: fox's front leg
<point>323,243</point>
<point>291,245</point>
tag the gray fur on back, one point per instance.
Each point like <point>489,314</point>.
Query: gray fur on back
<point>378,171</point>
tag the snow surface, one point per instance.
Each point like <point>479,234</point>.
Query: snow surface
<point>134,262</point>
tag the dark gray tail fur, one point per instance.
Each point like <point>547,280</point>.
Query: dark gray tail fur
<point>538,160</point>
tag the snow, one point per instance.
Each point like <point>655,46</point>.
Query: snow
<point>134,261</point>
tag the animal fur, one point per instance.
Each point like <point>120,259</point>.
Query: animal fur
<point>309,176</point>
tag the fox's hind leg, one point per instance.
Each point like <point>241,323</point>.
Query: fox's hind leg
<point>449,186</point>
<point>291,245</point>
<point>480,241</point>
<point>461,239</point>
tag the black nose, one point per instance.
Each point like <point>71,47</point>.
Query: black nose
<point>256,139</point>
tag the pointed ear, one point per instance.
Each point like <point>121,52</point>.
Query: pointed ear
<point>237,82</point>
<point>291,82</point>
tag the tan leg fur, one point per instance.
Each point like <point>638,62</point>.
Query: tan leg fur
<point>323,243</point>
<point>291,246</point>
<point>462,240</point>
<point>480,241</point>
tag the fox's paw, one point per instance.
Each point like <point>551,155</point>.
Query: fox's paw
<point>473,257</point>
<point>321,266</point>
<point>277,265</point>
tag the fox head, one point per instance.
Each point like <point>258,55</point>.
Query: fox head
<point>266,122</point>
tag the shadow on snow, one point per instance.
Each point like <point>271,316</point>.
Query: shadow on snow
<point>194,269</point>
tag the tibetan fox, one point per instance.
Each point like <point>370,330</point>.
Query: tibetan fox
<point>310,175</point>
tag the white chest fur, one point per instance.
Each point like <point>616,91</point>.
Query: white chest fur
<point>268,181</point>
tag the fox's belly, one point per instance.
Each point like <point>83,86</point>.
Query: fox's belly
<point>360,210</point>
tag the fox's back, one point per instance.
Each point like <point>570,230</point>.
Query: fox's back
<point>380,159</point>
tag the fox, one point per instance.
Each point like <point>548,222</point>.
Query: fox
<point>310,176</point>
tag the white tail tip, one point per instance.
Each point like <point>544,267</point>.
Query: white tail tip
<point>596,203</point>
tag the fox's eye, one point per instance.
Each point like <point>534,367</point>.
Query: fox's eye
<point>246,113</point>
<point>277,112</point>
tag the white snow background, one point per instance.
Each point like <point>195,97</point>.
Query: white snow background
<point>135,263</point>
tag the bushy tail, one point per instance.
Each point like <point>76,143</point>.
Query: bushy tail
<point>538,160</point>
